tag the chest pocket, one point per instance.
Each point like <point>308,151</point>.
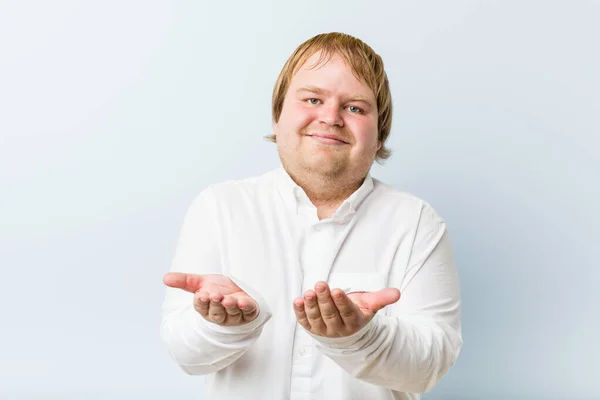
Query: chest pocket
<point>357,282</point>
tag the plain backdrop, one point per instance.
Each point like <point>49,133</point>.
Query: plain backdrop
<point>115,114</point>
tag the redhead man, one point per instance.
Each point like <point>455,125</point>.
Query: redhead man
<point>315,280</point>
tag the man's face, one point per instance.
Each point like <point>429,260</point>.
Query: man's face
<point>328,124</point>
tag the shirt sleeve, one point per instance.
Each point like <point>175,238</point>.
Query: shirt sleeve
<point>410,345</point>
<point>199,346</point>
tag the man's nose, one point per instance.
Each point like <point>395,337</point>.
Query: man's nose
<point>331,114</point>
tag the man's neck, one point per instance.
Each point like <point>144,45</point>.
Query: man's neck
<point>325,193</point>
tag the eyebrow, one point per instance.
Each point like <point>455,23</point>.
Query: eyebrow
<point>324,92</point>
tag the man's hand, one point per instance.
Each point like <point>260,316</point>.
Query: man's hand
<point>336,314</point>
<point>216,297</point>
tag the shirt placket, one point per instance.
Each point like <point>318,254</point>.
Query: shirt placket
<point>314,257</point>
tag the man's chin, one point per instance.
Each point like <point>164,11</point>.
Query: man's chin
<point>327,167</point>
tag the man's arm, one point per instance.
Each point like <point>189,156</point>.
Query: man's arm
<point>197,345</point>
<point>419,339</point>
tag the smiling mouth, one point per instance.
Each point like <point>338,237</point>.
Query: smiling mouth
<point>328,139</point>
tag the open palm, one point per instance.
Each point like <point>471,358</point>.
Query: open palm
<point>216,297</point>
<point>371,302</point>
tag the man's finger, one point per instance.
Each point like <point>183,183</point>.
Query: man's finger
<point>217,313</point>
<point>248,306</point>
<point>229,302</point>
<point>300,314</point>
<point>329,311</point>
<point>313,313</point>
<point>179,280</point>
<point>234,314</point>
<point>375,301</point>
<point>202,303</point>
<point>349,313</point>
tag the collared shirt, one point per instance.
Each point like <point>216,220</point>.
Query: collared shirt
<point>264,233</point>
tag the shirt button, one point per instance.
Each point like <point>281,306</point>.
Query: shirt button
<point>302,351</point>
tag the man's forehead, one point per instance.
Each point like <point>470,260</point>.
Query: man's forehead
<point>313,64</point>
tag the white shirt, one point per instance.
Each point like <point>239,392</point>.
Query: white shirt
<point>265,235</point>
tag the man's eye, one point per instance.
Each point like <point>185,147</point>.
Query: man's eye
<point>313,101</point>
<point>355,110</point>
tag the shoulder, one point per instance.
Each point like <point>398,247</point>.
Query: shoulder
<point>237,191</point>
<point>404,207</point>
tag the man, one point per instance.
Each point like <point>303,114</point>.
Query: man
<point>287,285</point>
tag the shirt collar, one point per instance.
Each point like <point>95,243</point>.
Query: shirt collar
<point>295,196</point>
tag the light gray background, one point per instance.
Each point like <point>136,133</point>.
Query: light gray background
<point>114,115</point>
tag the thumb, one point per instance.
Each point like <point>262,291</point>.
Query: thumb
<point>179,280</point>
<point>375,301</point>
